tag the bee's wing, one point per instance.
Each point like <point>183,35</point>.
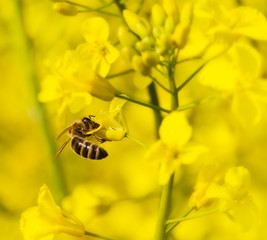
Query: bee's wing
<point>61,149</point>
<point>61,134</point>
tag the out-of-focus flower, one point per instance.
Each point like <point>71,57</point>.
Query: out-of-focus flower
<point>238,74</point>
<point>98,52</point>
<point>74,82</point>
<point>225,192</point>
<point>174,146</point>
<point>48,219</point>
<point>90,200</point>
<point>222,27</point>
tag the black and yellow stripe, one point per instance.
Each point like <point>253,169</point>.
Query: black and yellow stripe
<point>87,149</point>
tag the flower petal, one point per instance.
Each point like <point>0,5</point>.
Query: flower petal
<point>190,152</point>
<point>95,29</point>
<point>249,22</point>
<point>175,130</point>
<point>246,108</point>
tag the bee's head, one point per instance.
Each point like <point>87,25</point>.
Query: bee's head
<point>89,124</point>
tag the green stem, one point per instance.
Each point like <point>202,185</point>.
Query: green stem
<point>157,82</point>
<point>188,59</point>
<point>23,48</point>
<point>169,228</point>
<point>98,236</point>
<point>165,202</point>
<point>154,100</point>
<point>120,74</point>
<point>100,11</point>
<point>189,79</point>
<point>120,5</point>
<point>164,210</point>
<point>193,217</point>
<point>130,99</point>
<point>136,140</point>
<point>197,102</point>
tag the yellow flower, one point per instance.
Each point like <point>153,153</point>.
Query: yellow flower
<point>73,82</point>
<point>96,198</point>
<point>112,123</point>
<point>48,219</point>
<point>237,74</point>
<point>226,192</point>
<point>216,27</point>
<point>98,52</point>
<point>174,146</point>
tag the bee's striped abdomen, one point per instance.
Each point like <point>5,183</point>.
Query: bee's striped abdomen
<point>87,149</point>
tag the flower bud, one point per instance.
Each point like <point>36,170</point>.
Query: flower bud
<point>187,14</point>
<point>180,35</point>
<point>65,9</point>
<point>171,9</point>
<point>157,31</point>
<point>164,44</point>
<point>126,38</point>
<point>128,53</point>
<point>144,44</point>
<point>150,58</point>
<point>169,25</point>
<point>137,24</point>
<point>101,88</point>
<point>158,15</point>
<point>237,180</point>
<point>139,65</point>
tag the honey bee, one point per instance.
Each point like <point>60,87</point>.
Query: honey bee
<point>78,132</point>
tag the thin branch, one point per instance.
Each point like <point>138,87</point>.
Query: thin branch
<point>130,99</point>
<point>120,74</point>
<point>190,78</point>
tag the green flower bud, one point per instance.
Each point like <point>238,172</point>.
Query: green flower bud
<point>158,15</point>
<point>139,65</point>
<point>126,38</point>
<point>65,9</point>
<point>137,24</point>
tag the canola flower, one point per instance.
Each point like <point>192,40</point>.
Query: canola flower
<point>154,47</point>
<point>174,146</point>
<point>48,219</point>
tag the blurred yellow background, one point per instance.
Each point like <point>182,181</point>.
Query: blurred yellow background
<point>32,36</point>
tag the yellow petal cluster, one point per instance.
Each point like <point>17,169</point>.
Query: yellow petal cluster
<point>48,219</point>
<point>238,74</point>
<point>174,146</point>
<point>225,191</point>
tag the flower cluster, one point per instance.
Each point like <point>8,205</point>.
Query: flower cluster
<point>145,43</point>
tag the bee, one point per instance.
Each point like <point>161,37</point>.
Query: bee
<point>78,131</point>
